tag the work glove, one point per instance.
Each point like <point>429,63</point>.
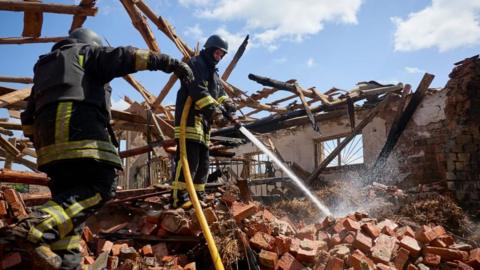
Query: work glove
<point>183,71</point>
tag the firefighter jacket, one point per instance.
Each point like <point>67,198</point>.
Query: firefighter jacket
<point>68,111</point>
<point>206,92</point>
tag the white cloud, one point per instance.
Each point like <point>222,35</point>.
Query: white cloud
<point>120,105</point>
<point>414,70</point>
<point>280,60</point>
<point>195,32</point>
<point>187,3</point>
<point>271,20</point>
<point>445,24</point>
<point>234,40</point>
<point>311,62</point>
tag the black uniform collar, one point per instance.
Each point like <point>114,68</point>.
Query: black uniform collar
<point>207,55</point>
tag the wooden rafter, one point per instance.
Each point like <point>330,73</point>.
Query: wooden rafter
<point>25,40</point>
<point>20,6</point>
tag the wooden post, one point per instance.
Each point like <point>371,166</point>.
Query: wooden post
<point>32,22</point>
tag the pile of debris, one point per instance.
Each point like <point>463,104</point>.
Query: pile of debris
<point>146,235</point>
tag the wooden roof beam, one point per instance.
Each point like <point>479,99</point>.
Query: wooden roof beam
<point>47,7</point>
<point>25,40</point>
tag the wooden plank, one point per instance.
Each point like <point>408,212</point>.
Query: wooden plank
<point>29,178</point>
<point>11,126</point>
<point>345,141</point>
<point>32,22</point>
<point>14,97</point>
<point>140,23</point>
<point>8,147</point>
<point>78,20</point>
<point>398,127</point>
<point>24,40</point>
<point>25,80</point>
<point>44,7</point>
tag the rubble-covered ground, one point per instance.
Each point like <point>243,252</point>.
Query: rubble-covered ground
<point>374,227</point>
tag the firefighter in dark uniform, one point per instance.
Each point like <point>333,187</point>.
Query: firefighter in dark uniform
<point>207,94</point>
<point>68,120</point>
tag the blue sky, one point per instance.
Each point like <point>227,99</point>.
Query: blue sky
<point>320,43</point>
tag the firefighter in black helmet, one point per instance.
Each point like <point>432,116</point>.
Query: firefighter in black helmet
<point>68,120</point>
<point>207,94</point>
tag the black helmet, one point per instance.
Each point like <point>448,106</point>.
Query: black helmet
<point>216,41</point>
<point>84,35</point>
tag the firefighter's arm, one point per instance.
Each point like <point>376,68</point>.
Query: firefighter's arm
<point>110,62</point>
<point>225,101</point>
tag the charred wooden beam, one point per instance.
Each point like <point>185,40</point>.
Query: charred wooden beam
<point>29,178</point>
<point>358,129</point>
<point>78,20</point>
<point>235,59</point>
<point>21,6</point>
<point>25,80</point>
<point>32,22</point>
<point>397,128</point>
<point>25,40</point>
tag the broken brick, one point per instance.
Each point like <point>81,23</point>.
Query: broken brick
<point>87,234</point>
<point>371,230</point>
<point>240,211</point>
<point>459,265</point>
<point>3,208</point>
<point>351,225</point>
<point>401,258</point>
<point>288,262</point>
<point>335,240</point>
<point>229,198</point>
<point>338,227</point>
<point>359,261</point>
<point>362,242</point>
<point>447,239</point>
<point>147,250</point>
<point>439,230</point>
<point>307,232</point>
<point>15,202</point>
<point>383,248</point>
<point>323,236</point>
<point>268,259</point>
<point>262,240</point>
<point>382,266</point>
<point>425,234</point>
<point>210,215</point>
<point>116,249</point>
<point>308,250</point>
<point>294,246</point>
<point>438,243</point>
<point>387,223</point>
<point>412,267</point>
<point>282,244</point>
<point>411,245</point>
<point>327,222</point>
<point>448,254</point>
<point>405,230</point>
<point>348,239</point>
<point>431,259</point>
<point>334,263</point>
<point>474,258</point>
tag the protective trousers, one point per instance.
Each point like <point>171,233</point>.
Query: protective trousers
<point>197,156</point>
<point>79,188</point>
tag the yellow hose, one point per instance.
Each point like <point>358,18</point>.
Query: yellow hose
<point>191,189</point>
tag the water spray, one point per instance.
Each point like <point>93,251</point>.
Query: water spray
<point>279,163</point>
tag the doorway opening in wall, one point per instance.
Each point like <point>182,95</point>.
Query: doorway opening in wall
<point>351,154</point>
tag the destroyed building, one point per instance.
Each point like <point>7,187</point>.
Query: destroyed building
<point>411,149</point>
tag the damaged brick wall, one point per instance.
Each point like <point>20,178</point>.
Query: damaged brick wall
<point>463,121</point>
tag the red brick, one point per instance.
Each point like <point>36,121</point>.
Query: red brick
<point>383,249</point>
<point>447,254</point>
<point>459,265</point>
<point>229,198</point>
<point>334,263</point>
<point>282,244</point>
<point>360,215</point>
<point>351,225</point>
<point>411,245</point>
<point>104,246</point>
<point>438,243</point>
<point>148,228</point>
<point>10,260</point>
<point>268,216</point>
<point>112,262</point>
<point>425,234</point>
<point>263,241</point>
<point>381,266</point>
<point>401,258</point>
<point>268,259</point>
<point>388,231</point>
<point>88,260</point>
<point>447,239</point>
<point>295,246</point>
<point>210,215</point>
<point>412,267</point>
<point>335,240</point>
<point>371,230</point>
<point>328,221</point>
<point>348,239</point>
<point>439,230</point>
<point>240,211</point>
<point>431,259</point>
<point>288,262</point>
<point>474,258</point>
<point>405,230</point>
<point>338,227</point>
<point>359,261</point>
<point>87,234</point>
<point>116,249</point>
<point>15,202</point>
<point>147,250</point>
<point>362,242</point>
<point>388,223</point>
<point>308,250</point>
<point>3,208</point>
<point>323,236</point>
